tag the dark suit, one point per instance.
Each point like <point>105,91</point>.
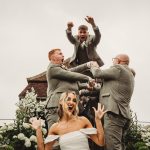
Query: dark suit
<point>61,80</point>
<point>115,95</point>
<point>90,47</point>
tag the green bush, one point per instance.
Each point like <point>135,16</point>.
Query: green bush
<point>134,136</point>
<point>19,135</point>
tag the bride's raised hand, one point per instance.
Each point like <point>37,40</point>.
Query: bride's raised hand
<point>35,123</point>
<point>99,113</point>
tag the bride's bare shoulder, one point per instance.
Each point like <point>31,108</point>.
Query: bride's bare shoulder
<point>82,118</point>
<point>54,128</point>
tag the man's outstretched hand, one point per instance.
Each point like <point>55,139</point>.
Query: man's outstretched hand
<point>99,113</point>
<point>90,20</point>
<point>70,25</point>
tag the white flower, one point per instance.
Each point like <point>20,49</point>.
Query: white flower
<point>1,132</point>
<point>1,136</point>
<point>26,125</point>
<point>3,128</point>
<point>148,134</point>
<point>44,131</point>
<point>27,143</point>
<point>26,139</point>
<point>14,137</point>
<point>11,124</point>
<point>38,110</point>
<point>148,144</point>
<point>144,135</point>
<point>21,136</point>
<point>33,138</point>
<point>10,128</point>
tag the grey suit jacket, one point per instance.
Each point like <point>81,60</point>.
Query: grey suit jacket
<point>60,80</point>
<point>117,88</point>
<point>91,44</point>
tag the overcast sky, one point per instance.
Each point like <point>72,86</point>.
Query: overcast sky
<point>30,28</point>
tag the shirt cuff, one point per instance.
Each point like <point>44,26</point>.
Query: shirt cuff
<point>68,31</point>
<point>96,28</point>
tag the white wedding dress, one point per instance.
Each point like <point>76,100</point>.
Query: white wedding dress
<point>76,140</point>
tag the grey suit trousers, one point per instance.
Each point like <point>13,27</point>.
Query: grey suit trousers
<point>114,127</point>
<point>51,118</point>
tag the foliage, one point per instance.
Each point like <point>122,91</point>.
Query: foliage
<point>146,136</point>
<point>20,135</point>
<point>136,137</point>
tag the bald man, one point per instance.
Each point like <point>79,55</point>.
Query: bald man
<point>115,95</point>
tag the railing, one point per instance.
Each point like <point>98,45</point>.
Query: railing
<point>144,122</point>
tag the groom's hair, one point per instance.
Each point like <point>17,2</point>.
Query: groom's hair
<point>83,27</point>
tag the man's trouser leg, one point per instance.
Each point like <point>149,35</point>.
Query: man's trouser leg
<point>113,128</point>
<point>51,116</point>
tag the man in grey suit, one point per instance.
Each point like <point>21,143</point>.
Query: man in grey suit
<point>115,95</point>
<point>84,43</point>
<point>85,46</point>
<point>60,80</point>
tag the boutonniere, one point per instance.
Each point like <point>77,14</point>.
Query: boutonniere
<point>83,44</point>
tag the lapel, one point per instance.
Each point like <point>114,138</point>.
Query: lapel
<point>86,44</point>
<point>77,44</point>
<point>87,41</point>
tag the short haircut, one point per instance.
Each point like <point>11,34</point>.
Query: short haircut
<point>52,51</point>
<point>83,27</point>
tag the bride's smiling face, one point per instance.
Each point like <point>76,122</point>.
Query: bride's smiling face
<point>70,103</point>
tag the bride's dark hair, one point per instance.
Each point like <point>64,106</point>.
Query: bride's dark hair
<point>63,98</point>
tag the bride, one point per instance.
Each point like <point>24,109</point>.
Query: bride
<point>71,131</point>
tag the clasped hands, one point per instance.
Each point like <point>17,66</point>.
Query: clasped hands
<point>92,64</point>
<point>91,82</point>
